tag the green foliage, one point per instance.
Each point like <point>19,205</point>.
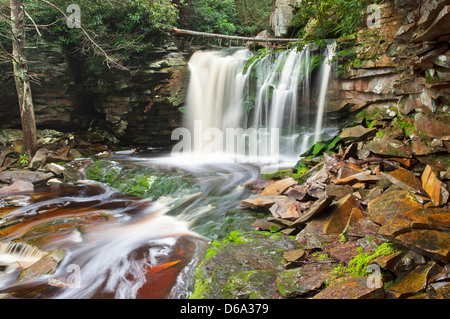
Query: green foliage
<point>321,19</point>
<point>320,148</point>
<point>24,160</point>
<point>232,17</point>
<point>120,27</point>
<point>252,17</point>
<point>209,16</point>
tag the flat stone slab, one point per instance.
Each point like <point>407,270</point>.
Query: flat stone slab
<point>351,288</point>
<point>279,187</point>
<point>262,202</point>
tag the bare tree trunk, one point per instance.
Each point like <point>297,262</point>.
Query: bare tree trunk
<point>21,78</point>
<point>232,37</point>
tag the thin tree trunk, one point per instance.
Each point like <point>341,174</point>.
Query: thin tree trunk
<point>21,78</point>
<point>232,37</point>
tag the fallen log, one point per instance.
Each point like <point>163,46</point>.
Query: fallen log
<point>232,37</point>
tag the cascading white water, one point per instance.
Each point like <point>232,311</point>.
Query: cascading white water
<point>325,73</point>
<point>266,97</point>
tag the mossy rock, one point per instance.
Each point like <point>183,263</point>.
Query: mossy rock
<point>145,182</point>
<point>242,265</point>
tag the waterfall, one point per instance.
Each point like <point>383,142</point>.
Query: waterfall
<point>268,103</point>
<point>325,73</point>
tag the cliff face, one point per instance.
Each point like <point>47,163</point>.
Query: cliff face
<point>75,94</point>
<point>408,83</point>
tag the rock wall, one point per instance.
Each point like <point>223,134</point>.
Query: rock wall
<point>409,81</point>
<point>73,93</point>
<point>281,16</point>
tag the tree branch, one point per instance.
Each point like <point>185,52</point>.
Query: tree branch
<point>34,23</point>
<point>108,59</point>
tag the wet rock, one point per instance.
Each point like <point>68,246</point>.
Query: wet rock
<point>339,217</point>
<point>265,225</point>
<point>433,126</point>
<point>414,282</point>
<point>34,177</point>
<point>441,290</point>
<point>373,193</point>
<point>425,231</point>
<point>390,204</point>
<point>287,208</point>
<point>364,177</point>
<point>253,284</point>
<point>18,200</point>
<point>39,159</point>
<point>437,28</point>
<point>228,264</point>
<point>419,101</point>
<point>262,202</point>
<point>343,251</point>
<point>351,288</point>
<point>56,169</point>
<point>389,146</point>
<point>302,281</point>
<point>278,187</point>
<point>45,266</point>
<point>16,188</point>
<point>357,133</point>
<point>294,255</point>
<point>338,191</point>
<point>318,207</point>
<point>405,180</point>
<point>434,187</point>
<point>388,262</point>
<point>407,262</point>
<point>299,193</point>
<point>258,186</point>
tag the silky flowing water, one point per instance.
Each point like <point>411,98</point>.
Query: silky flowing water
<point>120,246</point>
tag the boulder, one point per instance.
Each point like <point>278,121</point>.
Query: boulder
<point>24,175</point>
<point>18,187</point>
<point>39,159</point>
<point>45,266</point>
<point>55,169</point>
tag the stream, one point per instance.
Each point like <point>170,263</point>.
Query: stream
<point>127,247</point>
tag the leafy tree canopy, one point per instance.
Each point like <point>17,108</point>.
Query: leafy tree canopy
<point>322,19</point>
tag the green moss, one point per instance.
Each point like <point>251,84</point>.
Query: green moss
<point>358,265</point>
<point>139,182</point>
<point>253,284</point>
